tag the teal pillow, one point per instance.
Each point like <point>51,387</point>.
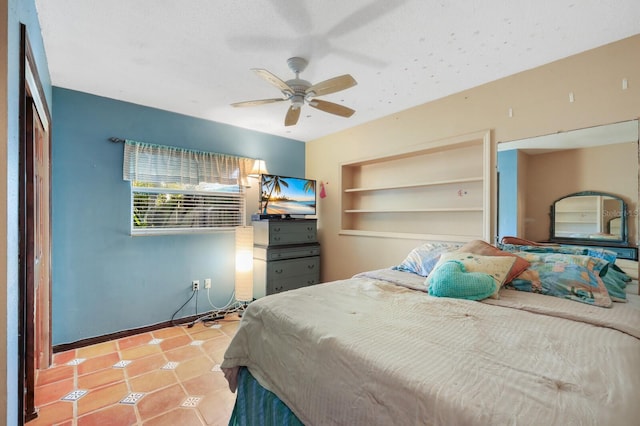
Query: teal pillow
<point>451,279</point>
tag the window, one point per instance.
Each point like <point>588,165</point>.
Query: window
<point>164,209</point>
<point>177,191</point>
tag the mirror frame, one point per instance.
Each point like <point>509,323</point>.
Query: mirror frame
<point>623,241</point>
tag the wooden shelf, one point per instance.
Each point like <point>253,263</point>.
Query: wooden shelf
<point>444,209</point>
<point>408,236</point>
<point>416,185</point>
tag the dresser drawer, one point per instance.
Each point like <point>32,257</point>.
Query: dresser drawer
<point>292,283</point>
<point>630,253</point>
<point>622,252</point>
<point>285,252</point>
<point>283,269</point>
<point>269,232</point>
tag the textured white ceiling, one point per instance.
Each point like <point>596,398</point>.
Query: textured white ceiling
<point>193,57</point>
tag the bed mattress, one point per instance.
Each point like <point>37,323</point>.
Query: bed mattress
<point>375,349</point>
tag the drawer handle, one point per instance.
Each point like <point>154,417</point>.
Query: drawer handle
<point>311,266</point>
<point>309,228</point>
<point>310,237</point>
<point>311,282</point>
<point>276,229</point>
<point>278,271</point>
<point>276,238</point>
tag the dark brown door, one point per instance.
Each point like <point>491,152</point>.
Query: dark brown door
<point>35,232</point>
<point>41,244</point>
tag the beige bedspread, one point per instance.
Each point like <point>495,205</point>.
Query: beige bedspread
<point>368,352</point>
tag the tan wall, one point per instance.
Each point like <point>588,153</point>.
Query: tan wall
<point>610,168</point>
<point>539,99</point>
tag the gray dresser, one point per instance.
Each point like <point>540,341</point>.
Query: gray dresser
<point>286,255</point>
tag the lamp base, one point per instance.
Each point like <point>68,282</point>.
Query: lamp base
<point>242,306</point>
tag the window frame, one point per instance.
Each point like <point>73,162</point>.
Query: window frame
<point>240,193</point>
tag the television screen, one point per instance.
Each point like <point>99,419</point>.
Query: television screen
<point>282,195</point>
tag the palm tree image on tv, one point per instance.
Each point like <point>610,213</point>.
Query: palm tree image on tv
<point>284,195</point>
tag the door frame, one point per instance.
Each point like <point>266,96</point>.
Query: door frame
<point>31,96</point>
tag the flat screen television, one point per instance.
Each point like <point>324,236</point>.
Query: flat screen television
<point>285,196</point>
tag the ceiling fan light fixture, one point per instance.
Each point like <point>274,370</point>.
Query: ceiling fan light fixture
<point>299,91</point>
<point>297,101</point>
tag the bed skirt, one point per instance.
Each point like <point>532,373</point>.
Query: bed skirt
<point>256,405</point>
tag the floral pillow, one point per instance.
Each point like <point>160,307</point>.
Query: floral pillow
<point>497,267</point>
<point>569,276</point>
<point>485,249</point>
<point>615,280</point>
<point>422,259</point>
<point>608,255</point>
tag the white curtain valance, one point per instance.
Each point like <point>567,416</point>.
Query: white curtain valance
<point>147,162</point>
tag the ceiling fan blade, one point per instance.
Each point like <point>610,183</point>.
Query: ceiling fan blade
<point>257,102</point>
<point>272,79</point>
<point>332,108</point>
<point>364,16</point>
<point>292,116</point>
<point>332,85</point>
<point>296,13</point>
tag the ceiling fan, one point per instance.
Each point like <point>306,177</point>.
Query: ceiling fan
<point>300,91</point>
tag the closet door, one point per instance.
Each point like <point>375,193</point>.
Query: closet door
<point>35,231</point>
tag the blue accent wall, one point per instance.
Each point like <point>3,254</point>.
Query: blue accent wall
<point>507,193</point>
<point>104,280</point>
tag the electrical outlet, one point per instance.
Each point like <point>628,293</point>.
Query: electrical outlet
<point>195,285</point>
<point>207,283</point>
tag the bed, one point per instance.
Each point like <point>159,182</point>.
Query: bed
<point>380,349</point>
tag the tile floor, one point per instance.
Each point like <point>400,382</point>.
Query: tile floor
<point>167,377</point>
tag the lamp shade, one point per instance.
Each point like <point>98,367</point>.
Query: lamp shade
<point>259,168</point>
<point>244,263</point>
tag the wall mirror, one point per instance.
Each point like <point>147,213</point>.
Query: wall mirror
<point>589,216</point>
<point>538,172</point>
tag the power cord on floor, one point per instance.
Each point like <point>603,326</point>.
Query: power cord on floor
<point>218,313</point>
<point>193,293</point>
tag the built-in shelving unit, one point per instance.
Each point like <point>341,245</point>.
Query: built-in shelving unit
<point>439,190</point>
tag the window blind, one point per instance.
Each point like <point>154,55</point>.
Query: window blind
<point>157,210</point>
